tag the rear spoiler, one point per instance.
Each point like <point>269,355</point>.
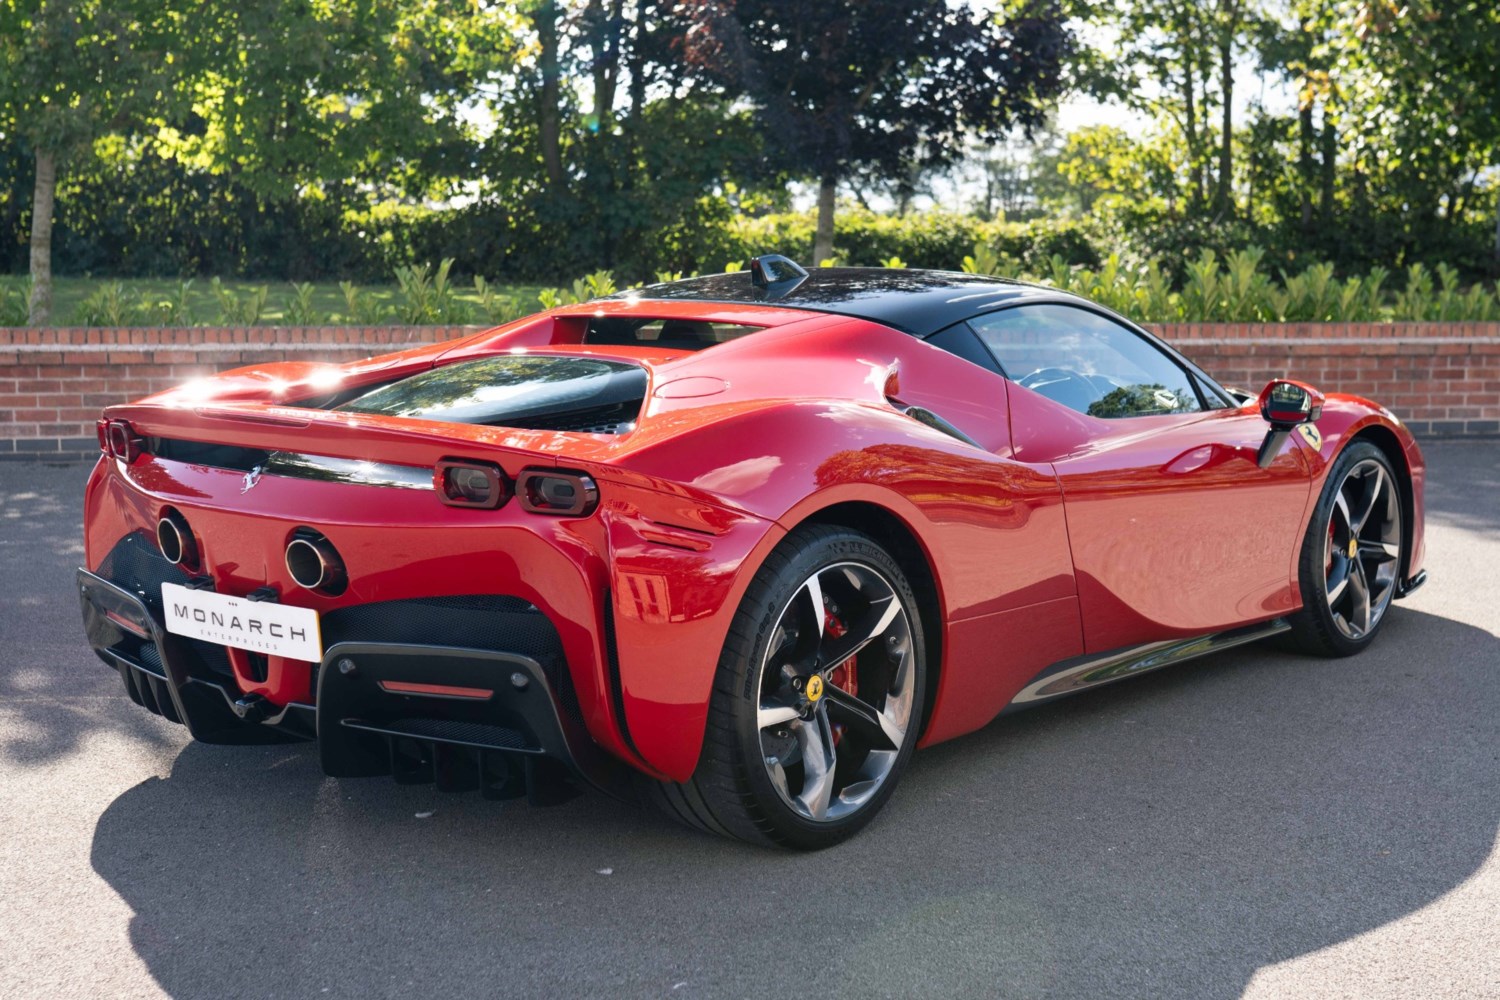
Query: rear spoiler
<point>338,434</point>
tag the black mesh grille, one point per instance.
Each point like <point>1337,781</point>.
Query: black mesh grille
<point>504,624</point>
<point>137,565</point>
<point>615,419</point>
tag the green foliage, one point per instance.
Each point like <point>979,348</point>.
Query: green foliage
<point>1239,289</point>
<point>1421,299</point>
<point>983,260</point>
<point>302,310</point>
<point>14,299</point>
<point>239,308</point>
<point>496,308</point>
<point>929,239</point>
<point>360,309</point>
<point>429,297</point>
<point>590,286</point>
<point>110,305</point>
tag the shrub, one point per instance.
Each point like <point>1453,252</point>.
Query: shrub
<point>429,298</point>
<point>924,239</point>
<point>239,309</point>
<point>301,311</point>
<point>15,303</point>
<point>110,305</point>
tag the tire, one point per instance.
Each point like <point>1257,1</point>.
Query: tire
<point>764,774</point>
<point>1361,503</point>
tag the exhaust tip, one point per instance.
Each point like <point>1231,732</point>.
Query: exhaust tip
<point>314,564</point>
<point>175,539</point>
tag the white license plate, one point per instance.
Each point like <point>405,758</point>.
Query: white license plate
<point>257,626</point>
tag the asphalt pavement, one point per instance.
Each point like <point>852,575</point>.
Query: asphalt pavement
<point>1253,824</point>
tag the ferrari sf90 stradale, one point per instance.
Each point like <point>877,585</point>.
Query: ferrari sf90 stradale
<point>743,542</point>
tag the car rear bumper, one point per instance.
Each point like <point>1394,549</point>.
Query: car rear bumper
<point>492,720</point>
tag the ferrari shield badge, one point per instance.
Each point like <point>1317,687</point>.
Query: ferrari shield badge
<point>1311,434</point>
<point>814,688</point>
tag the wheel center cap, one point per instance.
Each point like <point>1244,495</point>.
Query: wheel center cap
<point>1353,547</point>
<point>814,689</point>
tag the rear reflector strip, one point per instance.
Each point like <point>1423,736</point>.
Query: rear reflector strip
<point>436,690</point>
<point>125,623</point>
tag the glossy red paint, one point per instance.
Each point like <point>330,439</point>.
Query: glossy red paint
<point>1059,535</point>
<point>1175,530</point>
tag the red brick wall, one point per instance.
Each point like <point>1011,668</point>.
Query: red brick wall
<point>53,382</point>
<point>1442,378</point>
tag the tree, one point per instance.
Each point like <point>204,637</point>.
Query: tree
<point>335,93</point>
<point>1421,89</point>
<point>606,146</point>
<point>72,71</point>
<point>1105,162</point>
<point>878,85</point>
<point>1175,60</point>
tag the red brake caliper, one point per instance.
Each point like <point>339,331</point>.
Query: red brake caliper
<point>842,676</point>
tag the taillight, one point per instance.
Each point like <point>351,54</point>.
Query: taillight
<point>121,440</point>
<point>101,427</point>
<point>567,494</point>
<point>464,483</point>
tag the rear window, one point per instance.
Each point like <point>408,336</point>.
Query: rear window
<point>536,392</point>
<point>673,334</point>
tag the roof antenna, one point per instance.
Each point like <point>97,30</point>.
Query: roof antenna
<point>776,274</point>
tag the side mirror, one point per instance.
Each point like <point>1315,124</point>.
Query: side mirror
<point>1285,405</point>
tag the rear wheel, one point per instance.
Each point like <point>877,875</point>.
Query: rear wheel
<point>1351,558</point>
<point>817,700</point>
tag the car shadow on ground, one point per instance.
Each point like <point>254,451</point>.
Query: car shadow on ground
<point>1165,837</point>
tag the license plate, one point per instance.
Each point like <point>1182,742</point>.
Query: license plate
<point>257,626</point>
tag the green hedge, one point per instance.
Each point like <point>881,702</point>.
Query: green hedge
<point>921,239</point>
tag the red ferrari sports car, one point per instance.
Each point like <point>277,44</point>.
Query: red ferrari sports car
<point>743,541</point>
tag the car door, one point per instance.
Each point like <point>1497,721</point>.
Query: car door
<point>1175,529</point>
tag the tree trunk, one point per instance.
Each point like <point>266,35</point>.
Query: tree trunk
<point>40,307</point>
<point>823,241</point>
<point>607,62</point>
<point>1190,122</point>
<point>1306,173</point>
<point>1224,197</point>
<point>635,62</point>
<point>1330,155</point>
<point>548,115</point>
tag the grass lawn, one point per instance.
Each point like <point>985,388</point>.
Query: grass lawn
<point>146,300</point>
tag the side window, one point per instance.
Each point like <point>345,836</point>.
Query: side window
<point>1086,362</point>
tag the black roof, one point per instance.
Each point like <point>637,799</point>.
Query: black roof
<point>917,302</point>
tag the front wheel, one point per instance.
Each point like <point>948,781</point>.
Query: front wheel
<point>1351,559</point>
<point>818,697</point>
